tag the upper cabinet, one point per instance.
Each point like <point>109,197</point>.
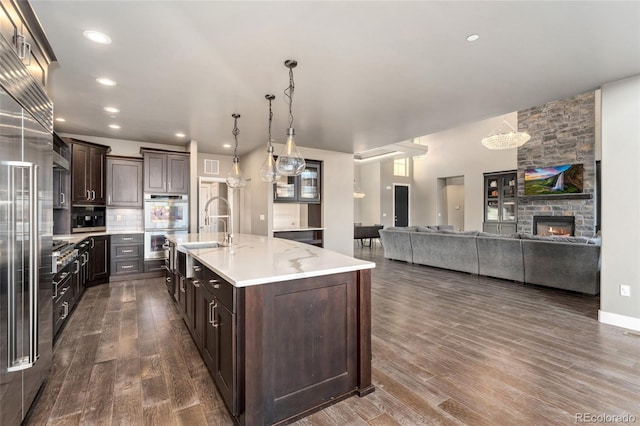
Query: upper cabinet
<point>124,182</point>
<point>166,173</point>
<point>21,29</point>
<point>304,188</point>
<point>88,163</point>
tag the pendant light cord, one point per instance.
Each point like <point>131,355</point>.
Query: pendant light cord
<point>235,133</point>
<point>270,119</point>
<point>288,92</point>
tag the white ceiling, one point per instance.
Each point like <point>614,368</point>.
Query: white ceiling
<point>369,73</point>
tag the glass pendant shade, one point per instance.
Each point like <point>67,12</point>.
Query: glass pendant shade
<point>236,179</point>
<point>269,172</point>
<point>290,162</point>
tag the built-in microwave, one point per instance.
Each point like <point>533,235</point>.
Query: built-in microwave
<point>88,219</point>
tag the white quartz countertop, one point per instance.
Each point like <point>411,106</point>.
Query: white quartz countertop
<point>76,238</point>
<point>254,260</point>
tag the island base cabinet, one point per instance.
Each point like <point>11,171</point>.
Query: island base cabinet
<point>307,345</point>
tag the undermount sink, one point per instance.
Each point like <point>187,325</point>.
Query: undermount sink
<point>200,245</point>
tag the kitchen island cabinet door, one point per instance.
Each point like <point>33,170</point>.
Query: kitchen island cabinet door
<point>219,348</point>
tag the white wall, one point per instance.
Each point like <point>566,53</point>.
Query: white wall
<point>368,208</point>
<point>620,203</point>
<point>458,152</point>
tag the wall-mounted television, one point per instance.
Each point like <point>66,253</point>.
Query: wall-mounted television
<point>565,179</point>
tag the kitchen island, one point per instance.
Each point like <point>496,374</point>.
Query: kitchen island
<point>283,327</point>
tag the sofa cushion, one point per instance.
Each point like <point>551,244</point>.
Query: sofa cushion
<point>500,257</point>
<point>557,238</point>
<point>449,231</point>
<point>396,245</point>
<point>426,229</point>
<point>456,252</point>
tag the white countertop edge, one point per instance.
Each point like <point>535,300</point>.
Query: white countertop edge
<point>298,229</point>
<point>286,277</point>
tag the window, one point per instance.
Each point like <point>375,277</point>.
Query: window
<point>401,167</point>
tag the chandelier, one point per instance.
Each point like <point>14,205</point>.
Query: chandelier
<point>357,193</point>
<point>501,139</point>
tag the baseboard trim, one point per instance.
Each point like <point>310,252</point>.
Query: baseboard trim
<point>619,320</point>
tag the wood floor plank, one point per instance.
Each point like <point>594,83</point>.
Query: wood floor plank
<point>383,420</point>
<point>160,414</point>
<point>98,407</point>
<point>191,416</point>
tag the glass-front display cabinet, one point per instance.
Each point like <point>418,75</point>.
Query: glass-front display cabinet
<point>304,188</point>
<point>501,202</point>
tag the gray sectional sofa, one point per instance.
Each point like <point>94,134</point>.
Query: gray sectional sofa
<point>569,263</point>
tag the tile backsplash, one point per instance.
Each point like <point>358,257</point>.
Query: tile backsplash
<point>125,219</point>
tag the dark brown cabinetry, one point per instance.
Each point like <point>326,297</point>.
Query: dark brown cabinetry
<point>88,163</point>
<point>127,254</point>
<point>99,255</point>
<point>21,29</point>
<point>501,202</point>
<point>61,183</point>
<point>124,182</point>
<point>166,173</point>
<point>304,188</point>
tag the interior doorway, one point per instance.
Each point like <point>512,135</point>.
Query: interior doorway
<point>207,189</point>
<point>451,202</point>
<point>400,204</point>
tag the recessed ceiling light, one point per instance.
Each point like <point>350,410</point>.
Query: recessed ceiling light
<point>97,37</point>
<point>60,119</point>
<point>111,109</point>
<point>226,145</point>
<point>180,135</point>
<point>114,126</point>
<point>473,37</point>
<point>106,81</point>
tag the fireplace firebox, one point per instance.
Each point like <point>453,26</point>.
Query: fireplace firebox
<point>554,225</point>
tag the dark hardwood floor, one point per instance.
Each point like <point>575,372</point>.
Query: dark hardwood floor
<point>448,348</point>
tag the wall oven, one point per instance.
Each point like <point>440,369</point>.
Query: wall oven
<point>163,214</point>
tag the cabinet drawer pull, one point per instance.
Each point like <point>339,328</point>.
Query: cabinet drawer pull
<point>127,238</point>
<point>127,266</point>
<point>197,268</point>
<point>65,305</point>
<point>127,251</point>
<point>212,314</point>
<point>168,279</point>
<point>215,283</point>
<point>196,283</point>
<point>182,285</point>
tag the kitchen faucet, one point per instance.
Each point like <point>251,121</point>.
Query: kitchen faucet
<point>228,236</point>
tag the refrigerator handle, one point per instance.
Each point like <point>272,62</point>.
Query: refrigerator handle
<point>17,363</point>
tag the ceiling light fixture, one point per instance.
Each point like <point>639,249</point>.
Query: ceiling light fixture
<point>235,179</point>
<point>106,81</point>
<point>60,119</point>
<point>180,135</point>
<point>473,37</point>
<point>97,37</point>
<point>269,172</point>
<point>501,139</point>
<point>114,126</point>
<point>112,109</point>
<point>377,157</point>
<point>226,145</point>
<point>290,162</point>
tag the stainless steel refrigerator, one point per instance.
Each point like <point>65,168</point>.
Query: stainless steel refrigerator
<point>26,224</point>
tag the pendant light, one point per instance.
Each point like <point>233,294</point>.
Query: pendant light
<point>269,172</point>
<point>290,162</point>
<point>235,179</point>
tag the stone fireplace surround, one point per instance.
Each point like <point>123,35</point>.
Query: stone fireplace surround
<point>562,132</point>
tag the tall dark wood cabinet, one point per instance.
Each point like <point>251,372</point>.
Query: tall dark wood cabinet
<point>88,173</point>
<point>124,182</point>
<point>500,203</point>
<point>166,173</point>
<point>99,254</point>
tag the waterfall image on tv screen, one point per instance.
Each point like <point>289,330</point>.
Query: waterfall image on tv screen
<point>565,179</point>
